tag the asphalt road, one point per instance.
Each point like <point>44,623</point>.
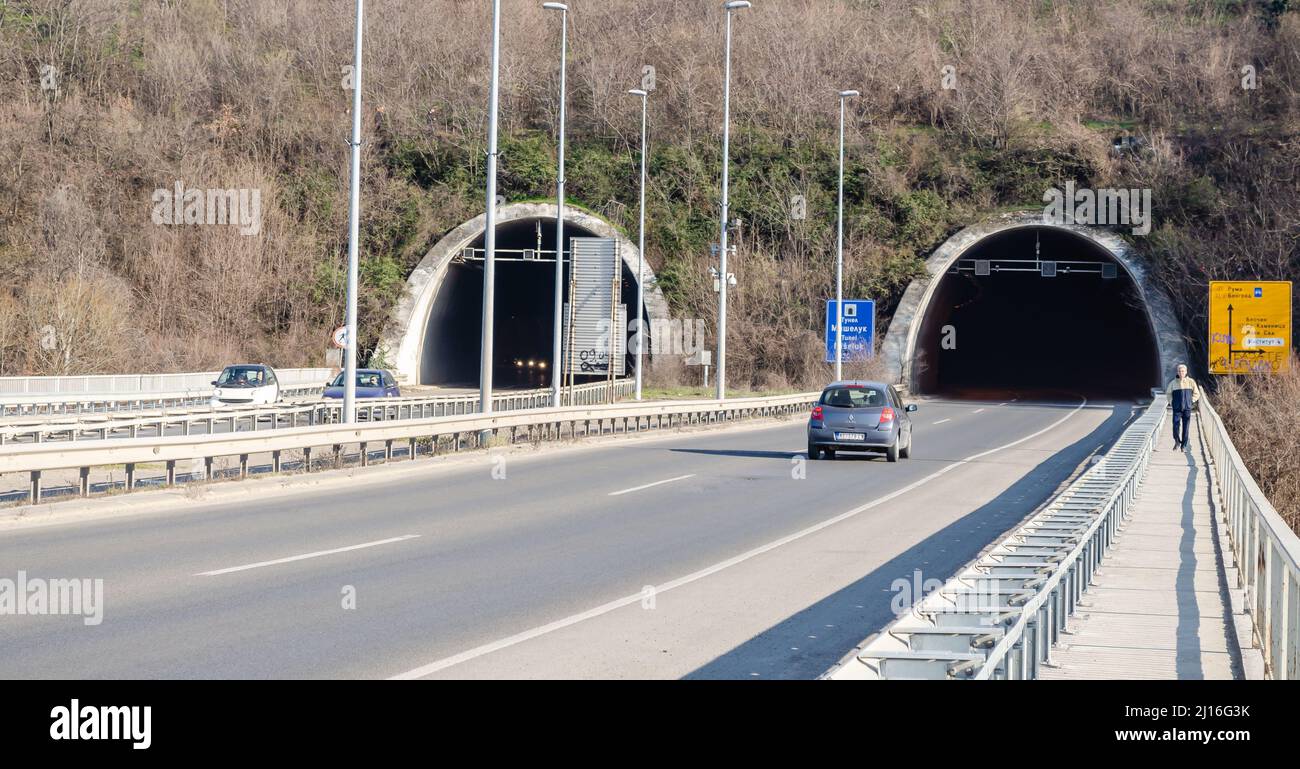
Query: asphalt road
<point>699,554</point>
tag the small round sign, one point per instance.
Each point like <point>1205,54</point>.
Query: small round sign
<point>341,337</point>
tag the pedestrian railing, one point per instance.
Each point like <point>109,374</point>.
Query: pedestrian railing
<point>1266,549</point>
<point>999,617</point>
<point>419,434</point>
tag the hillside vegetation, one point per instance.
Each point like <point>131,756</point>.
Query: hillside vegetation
<point>104,102</point>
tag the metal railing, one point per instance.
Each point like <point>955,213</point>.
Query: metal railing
<point>187,419</point>
<point>119,392</point>
<point>1267,552</point>
<point>539,424</point>
<point>999,617</point>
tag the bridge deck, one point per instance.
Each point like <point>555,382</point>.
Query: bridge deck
<point>1159,608</point>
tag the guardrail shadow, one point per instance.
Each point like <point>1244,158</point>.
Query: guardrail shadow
<point>808,643</point>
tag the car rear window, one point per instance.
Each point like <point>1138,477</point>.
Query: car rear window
<point>853,397</point>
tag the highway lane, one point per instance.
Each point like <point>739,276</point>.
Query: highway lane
<point>460,555</point>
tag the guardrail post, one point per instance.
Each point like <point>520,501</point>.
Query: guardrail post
<point>275,461</point>
<point>84,472</point>
<point>306,459</point>
<point>243,466</point>
<point>171,472</point>
<point>388,450</point>
<point>35,493</point>
<point>337,451</point>
<point>130,476</point>
<point>207,468</point>
<point>365,455</point>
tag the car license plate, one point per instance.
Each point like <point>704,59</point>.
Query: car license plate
<point>850,437</point>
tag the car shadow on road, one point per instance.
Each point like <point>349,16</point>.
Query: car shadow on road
<point>786,455</point>
<point>808,643</point>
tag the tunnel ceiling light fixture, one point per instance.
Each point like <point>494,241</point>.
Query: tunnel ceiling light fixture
<point>1049,269</point>
<point>1109,271</point>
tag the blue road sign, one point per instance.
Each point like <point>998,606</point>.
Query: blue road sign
<point>859,329</point>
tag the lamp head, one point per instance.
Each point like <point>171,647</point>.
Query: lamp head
<point>638,92</point>
<point>555,6</point>
<point>848,94</point>
<point>736,5</point>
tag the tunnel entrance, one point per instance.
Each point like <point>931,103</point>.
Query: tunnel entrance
<point>523,313</point>
<point>1036,309</point>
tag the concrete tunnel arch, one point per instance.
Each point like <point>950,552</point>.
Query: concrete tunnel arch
<point>438,318</point>
<point>1154,341</point>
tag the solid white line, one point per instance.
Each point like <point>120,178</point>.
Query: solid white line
<point>649,485</point>
<point>941,421</point>
<point>528,635</point>
<point>977,411</point>
<point>305,556</point>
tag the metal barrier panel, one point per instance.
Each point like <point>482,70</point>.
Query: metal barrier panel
<point>1000,616</point>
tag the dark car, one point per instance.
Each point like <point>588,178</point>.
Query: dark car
<point>860,416</point>
<point>371,383</point>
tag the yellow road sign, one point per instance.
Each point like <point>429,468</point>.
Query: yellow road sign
<point>1250,326</point>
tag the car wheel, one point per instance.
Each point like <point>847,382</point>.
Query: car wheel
<point>906,451</point>
<point>813,451</point>
<point>892,452</point>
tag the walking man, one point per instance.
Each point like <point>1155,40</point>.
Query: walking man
<point>1183,395</point>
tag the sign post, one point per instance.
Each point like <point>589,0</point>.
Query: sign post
<point>858,335</point>
<point>1250,327</point>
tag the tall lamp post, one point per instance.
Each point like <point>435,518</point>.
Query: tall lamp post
<point>490,222</point>
<point>640,256</point>
<point>839,253</point>
<point>729,7</point>
<point>557,362</point>
<point>354,230</point>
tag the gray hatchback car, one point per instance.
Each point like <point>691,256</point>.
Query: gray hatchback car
<point>860,416</point>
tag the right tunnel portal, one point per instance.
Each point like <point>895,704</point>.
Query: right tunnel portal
<point>1036,309</point>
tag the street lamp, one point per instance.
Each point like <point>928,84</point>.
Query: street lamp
<point>354,230</point>
<point>839,253</point>
<point>729,7</point>
<point>557,366</point>
<point>490,221</point>
<point>640,256</point>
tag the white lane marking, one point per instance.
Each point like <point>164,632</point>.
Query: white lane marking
<point>528,635</point>
<point>650,485</point>
<point>305,556</point>
<point>941,421</point>
<point>978,411</point>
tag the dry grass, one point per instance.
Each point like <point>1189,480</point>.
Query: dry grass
<point>247,93</point>
<point>1262,414</point>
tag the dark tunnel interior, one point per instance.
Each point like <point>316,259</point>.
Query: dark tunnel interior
<point>1024,333</point>
<point>523,317</point>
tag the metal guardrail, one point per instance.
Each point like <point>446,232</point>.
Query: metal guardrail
<point>540,424</point>
<point>1267,551</point>
<point>120,392</point>
<point>999,617</point>
<point>134,424</point>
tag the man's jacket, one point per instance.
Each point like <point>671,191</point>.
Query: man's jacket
<point>1183,394</point>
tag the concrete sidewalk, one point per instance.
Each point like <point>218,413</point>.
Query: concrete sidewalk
<point>1160,607</point>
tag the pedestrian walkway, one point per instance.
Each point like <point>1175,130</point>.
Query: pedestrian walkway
<point>1159,608</point>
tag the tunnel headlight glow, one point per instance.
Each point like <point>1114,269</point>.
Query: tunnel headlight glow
<point>541,364</point>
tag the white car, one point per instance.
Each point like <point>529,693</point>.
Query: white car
<point>246,384</point>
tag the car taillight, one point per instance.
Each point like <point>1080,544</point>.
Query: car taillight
<point>817,414</point>
<point>886,416</point>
